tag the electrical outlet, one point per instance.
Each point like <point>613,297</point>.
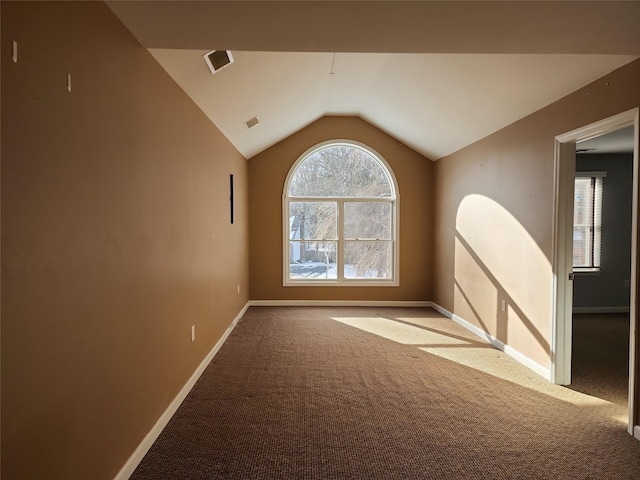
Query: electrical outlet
<point>193,333</point>
<point>503,305</point>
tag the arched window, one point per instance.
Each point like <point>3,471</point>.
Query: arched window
<point>340,218</point>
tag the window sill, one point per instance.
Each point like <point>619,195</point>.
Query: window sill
<point>585,272</point>
<point>343,283</point>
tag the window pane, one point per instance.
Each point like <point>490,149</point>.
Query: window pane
<point>597,221</point>
<point>582,214</point>
<point>313,221</point>
<point>339,208</point>
<point>582,201</point>
<point>312,260</point>
<point>367,220</point>
<point>340,171</point>
<point>587,222</point>
<point>581,247</point>
<point>367,259</point>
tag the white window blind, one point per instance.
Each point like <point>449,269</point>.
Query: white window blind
<point>587,220</point>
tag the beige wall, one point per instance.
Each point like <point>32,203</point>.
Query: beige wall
<point>115,240</point>
<point>267,173</point>
<point>493,220</point>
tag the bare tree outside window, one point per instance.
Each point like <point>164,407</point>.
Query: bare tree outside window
<point>340,171</point>
<point>340,206</point>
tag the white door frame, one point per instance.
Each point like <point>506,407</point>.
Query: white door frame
<point>562,251</point>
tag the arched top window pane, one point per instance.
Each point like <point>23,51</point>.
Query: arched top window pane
<point>341,170</point>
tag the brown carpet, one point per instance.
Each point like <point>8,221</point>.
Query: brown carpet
<point>600,357</point>
<point>338,393</point>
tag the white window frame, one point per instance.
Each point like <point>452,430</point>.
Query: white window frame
<point>595,233</point>
<point>393,200</point>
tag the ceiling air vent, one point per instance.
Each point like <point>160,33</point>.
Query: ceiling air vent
<point>252,122</point>
<point>218,59</point>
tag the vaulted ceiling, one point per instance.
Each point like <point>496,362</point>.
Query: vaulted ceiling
<point>435,75</point>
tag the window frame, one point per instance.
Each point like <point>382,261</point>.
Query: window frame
<point>595,230</point>
<point>393,200</point>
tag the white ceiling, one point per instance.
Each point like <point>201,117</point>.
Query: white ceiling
<point>445,95</point>
<point>434,103</point>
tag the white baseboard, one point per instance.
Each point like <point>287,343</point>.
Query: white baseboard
<point>601,309</point>
<point>139,453</point>
<point>338,303</point>
<point>513,353</point>
<point>636,431</point>
<point>441,310</point>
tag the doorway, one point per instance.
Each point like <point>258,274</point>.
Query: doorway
<point>563,261</point>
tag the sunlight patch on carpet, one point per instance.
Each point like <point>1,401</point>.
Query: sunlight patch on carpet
<point>399,332</point>
<point>498,364</point>
<point>450,344</point>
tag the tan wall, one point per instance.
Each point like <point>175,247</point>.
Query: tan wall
<point>115,240</point>
<point>493,219</point>
<point>267,173</point>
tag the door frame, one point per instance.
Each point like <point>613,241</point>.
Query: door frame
<point>562,252</point>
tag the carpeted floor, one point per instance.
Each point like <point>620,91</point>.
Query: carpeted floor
<point>381,393</point>
<point>600,357</point>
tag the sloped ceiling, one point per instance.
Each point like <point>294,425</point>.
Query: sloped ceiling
<point>435,75</point>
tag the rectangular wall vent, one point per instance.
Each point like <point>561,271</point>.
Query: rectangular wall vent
<point>216,60</point>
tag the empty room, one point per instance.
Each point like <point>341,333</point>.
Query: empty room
<point>319,239</point>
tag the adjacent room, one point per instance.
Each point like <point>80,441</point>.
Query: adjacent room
<point>314,239</point>
<point>602,265</point>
